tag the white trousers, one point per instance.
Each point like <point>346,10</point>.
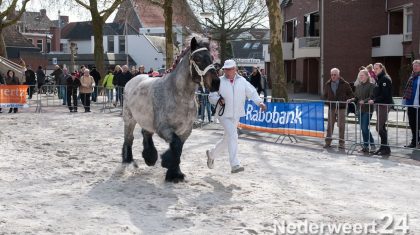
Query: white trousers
<point>230,140</point>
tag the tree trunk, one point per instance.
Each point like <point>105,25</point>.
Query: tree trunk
<point>98,52</point>
<point>169,44</point>
<point>3,51</point>
<point>278,80</point>
<point>223,47</point>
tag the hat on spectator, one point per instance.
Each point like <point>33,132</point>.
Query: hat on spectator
<point>229,64</point>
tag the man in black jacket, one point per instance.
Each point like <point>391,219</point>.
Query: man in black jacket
<point>30,80</point>
<point>96,76</point>
<point>383,99</point>
<point>73,84</point>
<point>40,78</point>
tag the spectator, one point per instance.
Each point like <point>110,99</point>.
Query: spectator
<point>40,77</point>
<point>205,105</point>
<point>363,93</point>
<point>109,86</point>
<point>141,70</point>
<point>372,74</point>
<point>264,84</point>
<point>255,79</point>
<point>58,77</point>
<point>233,104</point>
<point>87,83</point>
<point>121,80</point>
<point>383,98</point>
<point>30,80</point>
<point>117,77</point>
<point>412,98</point>
<point>336,92</point>
<point>73,83</point>
<point>97,77</point>
<point>1,83</point>
<point>11,79</point>
<point>63,85</point>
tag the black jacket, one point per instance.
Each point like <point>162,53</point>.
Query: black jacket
<point>121,79</point>
<point>40,76</point>
<point>30,77</point>
<point>72,85</point>
<point>96,75</point>
<point>383,91</point>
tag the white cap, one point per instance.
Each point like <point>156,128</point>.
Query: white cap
<point>229,64</point>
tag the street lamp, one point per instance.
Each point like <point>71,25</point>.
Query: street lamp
<point>207,16</point>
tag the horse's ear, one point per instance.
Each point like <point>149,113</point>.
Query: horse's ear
<point>194,44</point>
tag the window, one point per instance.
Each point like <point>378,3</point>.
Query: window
<point>40,44</point>
<point>311,25</point>
<point>247,45</point>
<point>408,23</point>
<point>289,31</point>
<point>121,40</point>
<point>31,40</point>
<point>110,44</point>
<point>256,45</point>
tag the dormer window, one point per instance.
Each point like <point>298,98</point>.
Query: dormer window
<point>247,45</point>
<point>256,45</point>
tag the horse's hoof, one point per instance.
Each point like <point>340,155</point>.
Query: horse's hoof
<point>150,156</point>
<point>174,176</point>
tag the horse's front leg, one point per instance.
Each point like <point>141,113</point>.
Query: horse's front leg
<point>172,158</point>
<point>150,154</point>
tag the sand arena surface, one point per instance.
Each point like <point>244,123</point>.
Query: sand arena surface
<point>60,173</point>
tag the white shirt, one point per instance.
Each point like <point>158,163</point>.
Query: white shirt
<point>235,94</point>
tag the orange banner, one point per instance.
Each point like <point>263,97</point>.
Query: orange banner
<point>13,96</point>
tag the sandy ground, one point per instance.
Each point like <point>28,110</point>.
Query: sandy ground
<point>60,173</point>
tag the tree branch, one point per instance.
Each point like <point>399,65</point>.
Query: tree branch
<point>9,22</point>
<point>83,4</point>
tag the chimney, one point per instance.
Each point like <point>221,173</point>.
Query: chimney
<point>55,40</point>
<point>43,12</point>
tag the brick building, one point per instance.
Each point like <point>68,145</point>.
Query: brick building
<point>319,35</point>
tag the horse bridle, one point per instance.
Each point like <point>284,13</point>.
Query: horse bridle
<point>200,72</point>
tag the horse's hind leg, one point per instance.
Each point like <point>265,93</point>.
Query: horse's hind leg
<point>127,154</point>
<point>171,160</point>
<point>150,154</point>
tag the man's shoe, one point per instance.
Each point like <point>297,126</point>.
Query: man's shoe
<point>327,146</point>
<point>412,145</point>
<point>341,146</point>
<point>237,169</point>
<point>210,161</point>
<point>364,150</point>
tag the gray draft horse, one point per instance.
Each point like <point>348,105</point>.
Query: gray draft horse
<point>167,106</point>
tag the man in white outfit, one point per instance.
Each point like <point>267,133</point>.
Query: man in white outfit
<point>233,92</point>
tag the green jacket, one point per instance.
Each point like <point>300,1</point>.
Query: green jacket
<point>107,83</point>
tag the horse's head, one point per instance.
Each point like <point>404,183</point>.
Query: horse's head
<point>202,69</point>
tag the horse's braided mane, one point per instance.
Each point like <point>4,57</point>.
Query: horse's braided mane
<point>178,59</point>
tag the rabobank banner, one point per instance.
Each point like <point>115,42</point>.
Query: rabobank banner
<point>285,118</point>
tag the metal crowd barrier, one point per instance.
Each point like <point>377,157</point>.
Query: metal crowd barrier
<point>399,132</point>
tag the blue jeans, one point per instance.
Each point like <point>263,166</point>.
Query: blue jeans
<point>63,93</point>
<point>205,106</point>
<point>109,94</point>
<point>364,120</point>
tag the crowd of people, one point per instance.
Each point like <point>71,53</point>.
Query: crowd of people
<point>373,92</point>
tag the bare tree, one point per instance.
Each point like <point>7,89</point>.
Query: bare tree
<point>99,16</point>
<point>8,17</point>
<point>230,18</point>
<point>169,43</point>
<point>278,80</point>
